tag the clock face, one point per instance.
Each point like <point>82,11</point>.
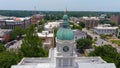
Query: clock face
<point>65,48</point>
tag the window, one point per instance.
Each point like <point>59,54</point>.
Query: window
<point>71,62</point>
<point>65,62</point>
<point>60,63</point>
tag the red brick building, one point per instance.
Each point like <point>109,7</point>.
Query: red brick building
<point>116,19</point>
<point>5,35</point>
<point>37,18</point>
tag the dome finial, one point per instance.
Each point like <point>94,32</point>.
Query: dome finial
<point>65,23</point>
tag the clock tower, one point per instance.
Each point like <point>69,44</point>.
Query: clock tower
<point>65,46</point>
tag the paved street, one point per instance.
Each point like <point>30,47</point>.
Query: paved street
<point>100,42</point>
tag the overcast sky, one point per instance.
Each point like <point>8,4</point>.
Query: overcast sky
<point>60,5</point>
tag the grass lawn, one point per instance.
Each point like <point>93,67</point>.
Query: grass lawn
<point>116,42</point>
<point>1,44</point>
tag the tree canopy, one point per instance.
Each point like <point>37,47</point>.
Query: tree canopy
<point>107,22</point>
<point>18,31</point>
<point>108,53</point>
<point>2,48</point>
<point>83,44</point>
<point>82,24</point>
<point>32,45</point>
<point>75,26</point>
<point>8,58</point>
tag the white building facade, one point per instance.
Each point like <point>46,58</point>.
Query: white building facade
<point>51,25</point>
<point>105,30</point>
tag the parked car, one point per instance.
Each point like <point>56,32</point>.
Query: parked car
<point>10,43</point>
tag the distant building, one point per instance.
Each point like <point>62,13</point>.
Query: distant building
<point>18,22</point>
<point>5,35</point>
<point>116,19</point>
<point>2,23</point>
<point>12,22</point>
<point>51,25</point>
<point>105,30</point>
<point>37,18</point>
<point>47,38</point>
<point>79,34</point>
<point>74,19</point>
<point>102,16</point>
<point>90,22</point>
<point>118,34</point>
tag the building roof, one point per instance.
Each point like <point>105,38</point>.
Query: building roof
<point>90,18</point>
<point>3,31</point>
<point>78,32</point>
<point>81,62</point>
<point>90,65</point>
<point>52,25</point>
<point>45,34</point>
<point>100,27</point>
<point>79,65</point>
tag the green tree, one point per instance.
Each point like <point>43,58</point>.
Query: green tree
<point>107,22</point>
<point>108,53</point>
<point>119,36</point>
<point>7,59</point>
<point>32,45</point>
<point>2,48</point>
<point>42,22</point>
<point>40,29</point>
<point>82,24</point>
<point>83,44</point>
<point>112,23</point>
<point>18,31</point>
<point>75,26</point>
<point>55,31</point>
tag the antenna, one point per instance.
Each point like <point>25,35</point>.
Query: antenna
<point>35,9</point>
<point>66,9</point>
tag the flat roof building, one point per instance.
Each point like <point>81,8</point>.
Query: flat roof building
<point>105,30</point>
<point>47,38</point>
<point>90,22</point>
<point>51,25</point>
<point>79,34</point>
<point>12,22</point>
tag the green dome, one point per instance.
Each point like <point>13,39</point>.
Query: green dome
<point>65,17</point>
<point>65,34</point>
